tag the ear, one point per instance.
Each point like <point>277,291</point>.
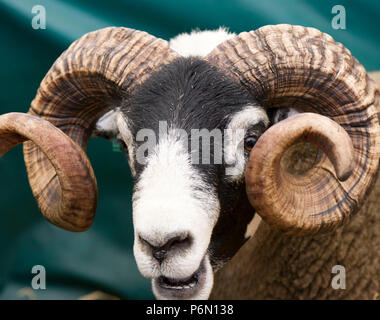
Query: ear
<point>114,124</point>
<point>278,114</point>
<point>107,127</point>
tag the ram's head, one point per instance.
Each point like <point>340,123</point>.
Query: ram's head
<point>193,202</point>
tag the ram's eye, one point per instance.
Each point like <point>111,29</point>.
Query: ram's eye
<point>249,143</point>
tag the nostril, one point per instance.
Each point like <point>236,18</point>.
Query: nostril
<point>160,252</point>
<point>181,241</point>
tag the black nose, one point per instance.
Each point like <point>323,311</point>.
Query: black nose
<point>159,254</point>
<point>177,242</point>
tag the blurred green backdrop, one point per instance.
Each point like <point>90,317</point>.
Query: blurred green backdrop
<point>102,258</point>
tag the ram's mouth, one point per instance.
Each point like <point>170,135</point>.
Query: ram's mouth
<point>196,286</point>
<point>179,284</point>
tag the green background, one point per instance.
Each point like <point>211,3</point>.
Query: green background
<point>102,258</point>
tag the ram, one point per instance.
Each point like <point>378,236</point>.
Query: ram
<point>267,92</point>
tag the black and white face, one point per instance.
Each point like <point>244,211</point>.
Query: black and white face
<point>189,130</point>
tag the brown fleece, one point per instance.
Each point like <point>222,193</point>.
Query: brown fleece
<point>290,267</point>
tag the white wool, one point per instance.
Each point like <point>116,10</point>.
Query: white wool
<point>199,43</point>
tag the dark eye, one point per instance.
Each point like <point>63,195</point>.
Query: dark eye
<point>249,143</point>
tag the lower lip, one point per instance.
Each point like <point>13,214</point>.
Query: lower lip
<point>187,284</point>
<point>182,290</point>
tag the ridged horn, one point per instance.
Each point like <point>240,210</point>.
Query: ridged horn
<point>91,77</point>
<point>73,169</point>
<point>303,68</point>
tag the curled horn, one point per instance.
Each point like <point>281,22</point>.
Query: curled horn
<point>90,78</point>
<point>303,68</point>
<point>73,169</point>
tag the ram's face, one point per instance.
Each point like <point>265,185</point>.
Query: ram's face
<point>187,154</point>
